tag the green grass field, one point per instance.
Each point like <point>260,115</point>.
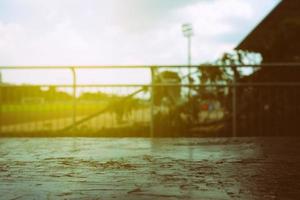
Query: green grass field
<point>19,113</point>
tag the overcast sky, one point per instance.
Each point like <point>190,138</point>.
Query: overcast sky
<point>120,32</point>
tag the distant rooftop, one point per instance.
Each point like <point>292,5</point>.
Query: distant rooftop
<point>277,37</point>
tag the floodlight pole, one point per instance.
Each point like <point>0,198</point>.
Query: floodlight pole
<point>187,30</point>
<point>189,53</point>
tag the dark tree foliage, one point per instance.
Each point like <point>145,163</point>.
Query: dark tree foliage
<point>216,81</point>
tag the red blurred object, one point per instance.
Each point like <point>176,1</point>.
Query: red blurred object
<point>204,106</point>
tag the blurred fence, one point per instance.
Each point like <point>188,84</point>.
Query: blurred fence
<point>206,100</point>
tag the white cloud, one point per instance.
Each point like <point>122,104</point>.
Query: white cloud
<point>215,18</point>
<point>119,32</point>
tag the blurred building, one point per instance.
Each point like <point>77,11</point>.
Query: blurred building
<point>273,110</point>
<point>277,36</point>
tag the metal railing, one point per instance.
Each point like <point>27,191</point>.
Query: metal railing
<point>225,103</point>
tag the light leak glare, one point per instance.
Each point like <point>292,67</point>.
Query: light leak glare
<point>58,77</point>
<point>84,76</point>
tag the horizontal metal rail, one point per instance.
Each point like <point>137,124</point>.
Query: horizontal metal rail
<point>151,66</point>
<point>232,83</point>
<point>158,85</point>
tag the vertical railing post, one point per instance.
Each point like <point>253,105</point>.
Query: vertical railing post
<point>152,103</point>
<point>74,94</point>
<point>234,106</point>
